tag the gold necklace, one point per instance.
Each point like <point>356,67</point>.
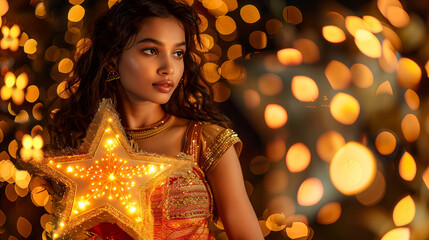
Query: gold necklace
<point>150,131</point>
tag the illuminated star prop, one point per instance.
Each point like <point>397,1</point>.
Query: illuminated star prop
<point>108,182</point>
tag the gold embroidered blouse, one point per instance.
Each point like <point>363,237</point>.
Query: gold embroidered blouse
<point>183,205</point>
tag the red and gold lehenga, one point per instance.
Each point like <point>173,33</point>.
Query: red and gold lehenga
<point>182,206</point>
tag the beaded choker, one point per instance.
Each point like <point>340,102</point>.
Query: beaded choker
<point>150,131</point>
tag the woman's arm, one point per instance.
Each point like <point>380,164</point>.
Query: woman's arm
<point>232,203</point>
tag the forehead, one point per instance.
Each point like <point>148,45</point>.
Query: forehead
<point>165,30</point>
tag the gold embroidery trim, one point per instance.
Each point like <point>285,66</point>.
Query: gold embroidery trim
<point>212,154</point>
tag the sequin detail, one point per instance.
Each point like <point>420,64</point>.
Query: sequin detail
<point>213,153</point>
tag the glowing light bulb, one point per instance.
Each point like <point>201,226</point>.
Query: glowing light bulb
<point>112,177</point>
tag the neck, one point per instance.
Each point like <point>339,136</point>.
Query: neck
<point>138,114</point>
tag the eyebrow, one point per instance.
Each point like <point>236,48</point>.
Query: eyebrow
<point>158,42</point>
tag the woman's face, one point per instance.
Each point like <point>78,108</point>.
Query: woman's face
<point>152,66</point>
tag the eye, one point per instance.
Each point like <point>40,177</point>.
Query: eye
<point>149,51</point>
<point>179,54</point>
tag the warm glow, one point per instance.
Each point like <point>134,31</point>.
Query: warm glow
<point>426,177</point>
<point>353,24</point>
<point>329,213</point>
<point>409,73</point>
<point>207,43</point>
<point>265,230</point>
<point>225,25</point>
<point>258,39</point>
<point>338,75</point>
<point>289,57</point>
<point>404,211</point>
<point>276,149</point>
<point>24,227</point>
<point>4,7</point>
<point>275,181</point>
<point>309,50</point>
<point>375,192</point>
<point>362,76</point>
<point>397,16</point>
<point>221,92</point>
<point>368,43</point>
<point>61,90</point>
<point>397,234</point>
<point>251,98</point>
<point>249,13</point>
<point>388,61</point>
<point>333,34</point>
<point>304,89</point>
<point>298,157</point>
<point>345,108</point>
<point>76,13</point>
<point>328,143</point>
<point>298,230</point>
<point>407,167</point>
<point>392,37</point>
<point>32,93</point>
<point>384,88</point>
<point>270,84</point>
<point>40,10</point>
<point>234,52</point>
<point>310,192</point>
<point>410,127</point>
<point>292,14</point>
<point>273,26</point>
<point>385,142</point>
<point>235,73</point>
<point>210,72</point>
<point>40,196</point>
<point>30,46</point>
<point>276,222</point>
<point>275,116</point>
<point>65,65</point>
<point>27,141</point>
<point>10,37</point>
<point>372,24</point>
<point>412,99</point>
<point>352,168</point>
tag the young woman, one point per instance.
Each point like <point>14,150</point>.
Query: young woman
<point>143,57</point>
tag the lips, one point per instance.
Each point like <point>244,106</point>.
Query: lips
<point>164,86</point>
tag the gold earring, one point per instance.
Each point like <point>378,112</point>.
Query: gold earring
<point>112,76</point>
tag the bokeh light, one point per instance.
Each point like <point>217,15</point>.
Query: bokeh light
<point>345,108</point>
<point>338,75</point>
<point>275,116</point>
<point>310,192</point>
<point>333,34</point>
<point>410,127</point>
<point>289,57</point>
<point>385,142</point>
<point>397,233</point>
<point>328,143</point>
<point>298,157</point>
<point>329,213</point>
<point>407,167</point>
<point>404,211</point>
<point>352,169</point>
<point>304,89</point>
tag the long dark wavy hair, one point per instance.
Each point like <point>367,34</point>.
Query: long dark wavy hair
<point>109,36</point>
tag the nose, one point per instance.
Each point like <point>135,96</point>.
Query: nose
<point>166,65</point>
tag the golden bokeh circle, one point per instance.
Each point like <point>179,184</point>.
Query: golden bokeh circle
<point>352,169</point>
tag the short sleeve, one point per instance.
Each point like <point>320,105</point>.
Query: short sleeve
<point>215,141</point>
